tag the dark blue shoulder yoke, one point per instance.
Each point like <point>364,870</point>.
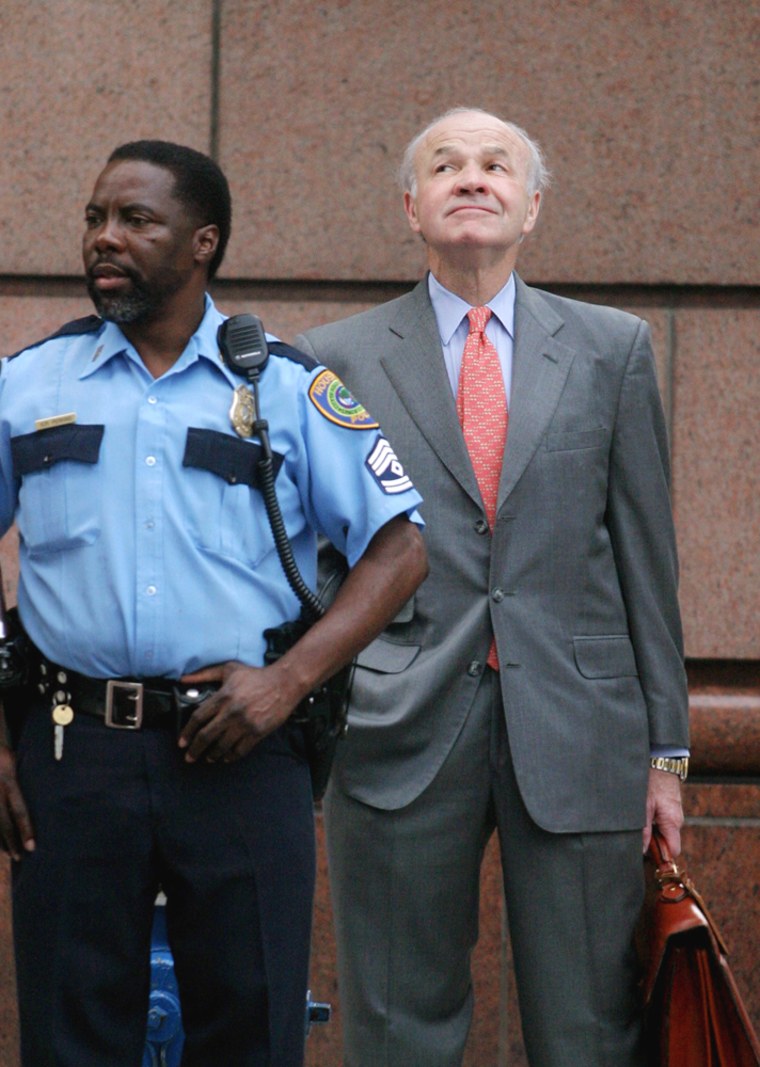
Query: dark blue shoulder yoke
<point>88,324</point>
<point>279,348</point>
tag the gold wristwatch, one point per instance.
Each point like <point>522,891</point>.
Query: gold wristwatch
<point>672,764</point>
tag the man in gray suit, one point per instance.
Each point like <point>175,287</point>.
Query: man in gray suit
<point>570,739</point>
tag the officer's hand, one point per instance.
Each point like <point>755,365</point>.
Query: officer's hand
<point>251,703</point>
<point>16,833</point>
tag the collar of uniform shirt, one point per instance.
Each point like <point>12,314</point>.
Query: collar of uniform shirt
<point>202,344</point>
<point>450,311</point>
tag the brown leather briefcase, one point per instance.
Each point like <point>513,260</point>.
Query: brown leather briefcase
<point>694,1014</point>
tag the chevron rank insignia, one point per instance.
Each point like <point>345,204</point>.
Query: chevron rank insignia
<point>330,397</point>
<point>386,468</point>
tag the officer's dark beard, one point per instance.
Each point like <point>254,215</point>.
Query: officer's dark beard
<point>141,303</point>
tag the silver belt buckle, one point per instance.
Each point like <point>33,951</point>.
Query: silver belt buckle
<point>124,705</point>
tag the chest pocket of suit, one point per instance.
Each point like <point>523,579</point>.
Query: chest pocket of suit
<point>60,486</point>
<point>577,440</point>
<point>230,518</point>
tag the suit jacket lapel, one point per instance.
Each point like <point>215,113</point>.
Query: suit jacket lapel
<point>414,365</point>
<point>539,369</point>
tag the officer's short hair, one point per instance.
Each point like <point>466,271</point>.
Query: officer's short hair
<point>200,185</point>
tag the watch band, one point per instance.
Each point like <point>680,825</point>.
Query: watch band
<point>672,764</point>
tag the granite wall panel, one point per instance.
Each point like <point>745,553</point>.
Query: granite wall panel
<point>648,136</point>
<point>715,469</point>
<point>77,79</point>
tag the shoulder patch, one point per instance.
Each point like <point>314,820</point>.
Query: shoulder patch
<point>332,399</point>
<point>279,348</point>
<point>88,324</point>
<point>386,467</point>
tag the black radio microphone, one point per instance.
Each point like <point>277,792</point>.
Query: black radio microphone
<point>243,345</point>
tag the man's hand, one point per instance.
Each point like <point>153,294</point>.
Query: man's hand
<point>254,701</point>
<point>664,810</point>
<point>250,703</point>
<point>16,834</point>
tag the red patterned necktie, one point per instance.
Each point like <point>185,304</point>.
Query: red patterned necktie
<point>482,410</point>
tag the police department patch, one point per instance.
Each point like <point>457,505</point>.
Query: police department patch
<point>330,397</point>
<point>387,469</point>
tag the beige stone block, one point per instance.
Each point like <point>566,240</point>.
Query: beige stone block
<point>644,112</point>
<point>80,77</point>
<point>27,317</point>
<point>717,508</point>
<point>287,318</point>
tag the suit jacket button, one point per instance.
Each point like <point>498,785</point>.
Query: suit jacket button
<point>474,669</point>
<point>481,526</point>
<point>497,595</point>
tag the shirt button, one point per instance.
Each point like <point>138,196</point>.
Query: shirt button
<point>474,668</point>
<point>497,595</point>
<point>152,400</point>
<point>151,590</point>
<point>481,526</point>
<point>150,461</point>
<point>150,524</point>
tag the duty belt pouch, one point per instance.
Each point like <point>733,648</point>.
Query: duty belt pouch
<point>15,663</point>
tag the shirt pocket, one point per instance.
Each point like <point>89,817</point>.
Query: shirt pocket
<point>60,486</point>
<point>230,518</point>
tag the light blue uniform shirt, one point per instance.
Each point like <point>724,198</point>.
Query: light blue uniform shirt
<point>134,563</point>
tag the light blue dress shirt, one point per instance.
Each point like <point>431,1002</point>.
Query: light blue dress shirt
<point>134,563</point>
<point>453,326</point>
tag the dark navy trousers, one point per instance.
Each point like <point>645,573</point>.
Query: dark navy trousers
<point>232,847</point>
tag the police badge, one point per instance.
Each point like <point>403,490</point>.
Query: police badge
<point>242,412</point>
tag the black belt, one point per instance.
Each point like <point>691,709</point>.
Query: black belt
<point>123,703</point>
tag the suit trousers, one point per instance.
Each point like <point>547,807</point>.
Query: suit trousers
<point>231,845</point>
<point>405,888</point>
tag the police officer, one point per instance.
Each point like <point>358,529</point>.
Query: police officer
<point>148,574</point>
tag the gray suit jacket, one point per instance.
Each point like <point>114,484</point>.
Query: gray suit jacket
<point>577,582</point>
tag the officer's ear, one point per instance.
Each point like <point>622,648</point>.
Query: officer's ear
<point>205,243</point>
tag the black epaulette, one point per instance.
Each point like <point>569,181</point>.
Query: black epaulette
<point>88,324</point>
<point>279,348</point>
